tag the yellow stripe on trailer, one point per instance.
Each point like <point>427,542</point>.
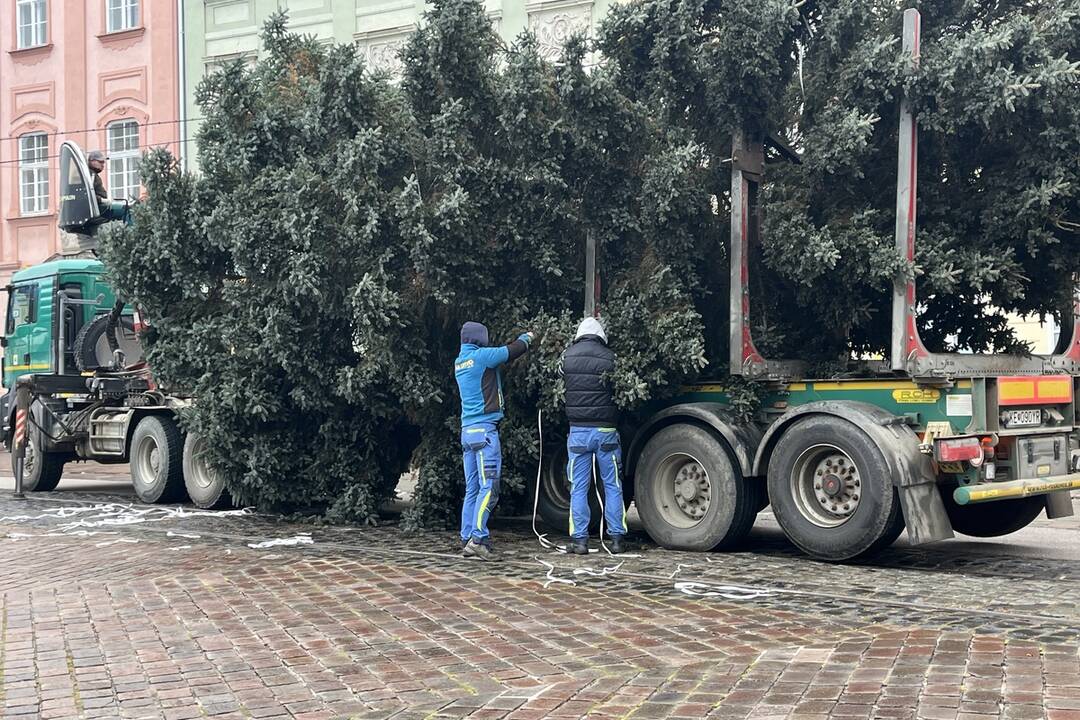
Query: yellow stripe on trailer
<point>878,385</point>
<point>833,385</point>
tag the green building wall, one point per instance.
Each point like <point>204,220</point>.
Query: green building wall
<point>215,31</point>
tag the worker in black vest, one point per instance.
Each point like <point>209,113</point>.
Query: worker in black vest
<point>591,411</point>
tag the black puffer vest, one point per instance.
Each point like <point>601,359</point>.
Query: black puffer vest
<point>588,397</point>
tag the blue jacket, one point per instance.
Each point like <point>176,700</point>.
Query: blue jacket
<point>476,370</point>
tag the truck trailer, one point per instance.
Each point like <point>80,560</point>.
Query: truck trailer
<point>939,443</point>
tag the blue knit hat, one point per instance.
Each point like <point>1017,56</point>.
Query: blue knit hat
<point>474,333</point>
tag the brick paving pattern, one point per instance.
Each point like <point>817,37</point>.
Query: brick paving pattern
<point>161,616</point>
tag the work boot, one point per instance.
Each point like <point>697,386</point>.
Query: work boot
<point>476,550</point>
<point>617,546</point>
<point>580,546</point>
<point>464,542</point>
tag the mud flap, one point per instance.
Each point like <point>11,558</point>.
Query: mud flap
<point>920,499</point>
<point>924,514</point>
<point>1059,505</point>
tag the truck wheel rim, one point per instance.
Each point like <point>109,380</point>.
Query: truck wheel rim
<point>826,485</point>
<point>683,490</point>
<point>29,459</point>
<point>200,473</point>
<point>148,460</point>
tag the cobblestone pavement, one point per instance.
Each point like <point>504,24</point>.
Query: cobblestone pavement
<point>117,610</point>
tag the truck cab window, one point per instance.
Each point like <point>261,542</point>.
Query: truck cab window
<point>73,314</point>
<point>74,317</point>
<point>22,307</point>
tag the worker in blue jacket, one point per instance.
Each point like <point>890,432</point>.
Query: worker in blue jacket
<point>480,384</point>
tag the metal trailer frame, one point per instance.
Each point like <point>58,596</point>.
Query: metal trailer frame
<point>909,357</point>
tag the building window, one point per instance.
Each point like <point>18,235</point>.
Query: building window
<point>32,23</point>
<point>124,159</point>
<point>34,174</point>
<point>121,15</point>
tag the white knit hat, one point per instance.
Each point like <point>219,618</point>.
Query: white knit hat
<point>591,326</point>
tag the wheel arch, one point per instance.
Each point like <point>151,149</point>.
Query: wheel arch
<point>864,415</point>
<point>740,439</point>
<point>136,416</point>
<point>912,474</point>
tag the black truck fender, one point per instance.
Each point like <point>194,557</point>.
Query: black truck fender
<point>741,438</point>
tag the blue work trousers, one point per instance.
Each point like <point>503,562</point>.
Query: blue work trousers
<point>482,458</point>
<point>584,444</point>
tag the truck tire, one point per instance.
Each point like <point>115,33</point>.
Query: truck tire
<point>156,457</point>
<point>992,519</point>
<point>41,470</point>
<point>553,503</point>
<point>205,487</point>
<point>689,494</point>
<point>92,350</point>
<point>831,490</point>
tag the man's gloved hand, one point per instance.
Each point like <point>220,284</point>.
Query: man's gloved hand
<point>527,337</point>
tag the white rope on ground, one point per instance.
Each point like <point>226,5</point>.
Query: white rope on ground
<point>598,573</point>
<point>116,541</point>
<point>82,533</point>
<point>550,577</point>
<point>678,569</point>
<point>302,539</point>
<point>117,514</point>
<point>727,592</point>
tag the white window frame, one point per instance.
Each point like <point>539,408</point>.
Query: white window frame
<point>33,31</point>
<point>34,174</point>
<point>124,181</point>
<point>121,15</point>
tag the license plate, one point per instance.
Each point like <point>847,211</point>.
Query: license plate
<point>1023,418</point>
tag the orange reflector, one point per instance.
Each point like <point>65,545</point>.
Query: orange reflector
<point>1042,389</point>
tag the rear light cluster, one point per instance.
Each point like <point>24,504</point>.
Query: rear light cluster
<point>972,450</point>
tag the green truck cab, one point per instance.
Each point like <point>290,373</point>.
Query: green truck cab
<point>34,315</point>
<point>71,347</point>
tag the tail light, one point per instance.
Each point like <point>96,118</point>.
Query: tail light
<point>953,450</point>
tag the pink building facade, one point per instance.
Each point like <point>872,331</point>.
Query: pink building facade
<point>100,72</point>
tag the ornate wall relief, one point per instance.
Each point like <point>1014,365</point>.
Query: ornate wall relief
<point>554,22</point>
